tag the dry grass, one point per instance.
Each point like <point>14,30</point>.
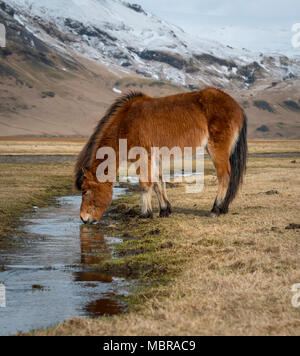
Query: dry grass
<point>41,146</point>
<point>25,186</point>
<point>233,274</point>
<point>265,146</point>
<point>72,146</point>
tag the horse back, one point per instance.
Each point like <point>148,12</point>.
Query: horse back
<point>182,120</point>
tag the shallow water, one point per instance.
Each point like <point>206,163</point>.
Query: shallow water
<point>47,278</point>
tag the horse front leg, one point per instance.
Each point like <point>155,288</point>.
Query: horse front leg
<point>164,204</point>
<point>146,191</point>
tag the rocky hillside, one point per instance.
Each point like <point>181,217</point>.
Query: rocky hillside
<point>64,63</point>
<point>119,34</point>
<point>48,92</point>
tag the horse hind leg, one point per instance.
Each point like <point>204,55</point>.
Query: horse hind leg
<point>220,206</point>
<point>222,165</point>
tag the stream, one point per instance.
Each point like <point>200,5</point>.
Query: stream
<point>47,277</point>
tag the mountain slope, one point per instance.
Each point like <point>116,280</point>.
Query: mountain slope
<point>116,33</point>
<point>66,60</point>
<point>48,92</point>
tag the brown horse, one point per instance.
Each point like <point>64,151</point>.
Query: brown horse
<point>208,117</point>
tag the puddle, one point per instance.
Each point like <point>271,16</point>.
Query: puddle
<point>47,278</point>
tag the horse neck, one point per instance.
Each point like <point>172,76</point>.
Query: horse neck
<point>109,138</point>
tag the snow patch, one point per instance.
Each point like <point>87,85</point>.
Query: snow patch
<point>115,90</point>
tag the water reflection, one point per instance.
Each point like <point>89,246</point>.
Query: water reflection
<point>104,307</point>
<point>94,249</point>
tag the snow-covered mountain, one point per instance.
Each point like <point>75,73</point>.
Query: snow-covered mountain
<point>122,36</point>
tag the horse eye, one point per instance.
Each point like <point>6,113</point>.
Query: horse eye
<point>84,192</point>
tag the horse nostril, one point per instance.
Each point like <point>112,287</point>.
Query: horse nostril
<point>84,221</point>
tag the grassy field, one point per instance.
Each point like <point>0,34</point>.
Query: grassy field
<point>40,146</point>
<point>25,186</point>
<point>227,276</point>
<point>72,146</point>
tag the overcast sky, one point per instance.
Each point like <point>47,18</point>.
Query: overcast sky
<point>255,24</point>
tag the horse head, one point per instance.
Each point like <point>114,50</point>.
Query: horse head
<point>95,197</point>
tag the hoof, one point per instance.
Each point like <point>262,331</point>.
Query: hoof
<point>165,213</point>
<point>148,215</point>
<point>213,215</point>
<point>169,208</point>
<point>216,212</point>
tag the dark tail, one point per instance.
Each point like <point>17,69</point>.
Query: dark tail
<point>238,164</point>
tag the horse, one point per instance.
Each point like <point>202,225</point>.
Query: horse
<point>209,118</point>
